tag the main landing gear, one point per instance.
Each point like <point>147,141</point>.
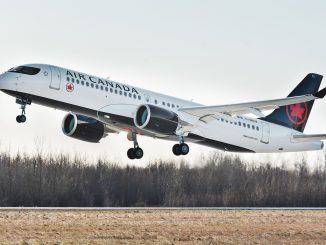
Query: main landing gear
<point>180,149</point>
<point>136,152</point>
<point>22,102</point>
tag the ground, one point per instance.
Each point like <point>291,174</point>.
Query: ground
<point>162,226</point>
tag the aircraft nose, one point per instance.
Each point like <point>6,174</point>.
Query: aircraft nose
<point>3,80</point>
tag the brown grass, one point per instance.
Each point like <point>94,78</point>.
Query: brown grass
<point>161,227</point>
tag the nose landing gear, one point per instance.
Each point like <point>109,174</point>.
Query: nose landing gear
<point>22,102</point>
<point>21,118</point>
<point>136,152</point>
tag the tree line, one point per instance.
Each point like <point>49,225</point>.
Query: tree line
<point>219,181</point>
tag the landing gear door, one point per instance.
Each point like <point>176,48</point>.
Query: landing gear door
<point>265,133</point>
<point>55,78</point>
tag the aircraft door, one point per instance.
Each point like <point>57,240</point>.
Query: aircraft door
<point>265,133</point>
<point>55,78</point>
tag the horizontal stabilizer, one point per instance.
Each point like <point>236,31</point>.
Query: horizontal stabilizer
<point>308,137</point>
<point>320,94</point>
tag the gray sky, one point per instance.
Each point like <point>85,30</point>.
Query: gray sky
<point>214,52</point>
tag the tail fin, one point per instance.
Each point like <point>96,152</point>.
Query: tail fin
<point>296,116</point>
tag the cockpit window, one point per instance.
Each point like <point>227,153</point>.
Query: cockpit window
<point>25,70</point>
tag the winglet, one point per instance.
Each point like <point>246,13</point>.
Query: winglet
<point>320,94</point>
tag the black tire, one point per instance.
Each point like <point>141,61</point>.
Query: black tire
<point>184,149</point>
<point>18,119</point>
<point>138,152</point>
<point>131,154</point>
<point>176,150</point>
<point>22,118</point>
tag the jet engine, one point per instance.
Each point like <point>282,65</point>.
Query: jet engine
<point>157,120</point>
<point>83,128</point>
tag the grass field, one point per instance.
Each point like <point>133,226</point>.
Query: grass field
<point>162,227</point>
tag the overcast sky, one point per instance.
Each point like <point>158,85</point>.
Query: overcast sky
<point>214,52</point>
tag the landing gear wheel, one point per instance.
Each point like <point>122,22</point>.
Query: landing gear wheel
<point>176,150</point>
<point>135,153</point>
<point>18,119</point>
<point>184,149</point>
<point>131,154</point>
<point>21,118</point>
<point>180,149</point>
<point>138,152</point>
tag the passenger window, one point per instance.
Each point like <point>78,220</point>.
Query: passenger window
<point>92,85</point>
<point>125,94</point>
<point>120,92</point>
<point>106,89</point>
<point>239,123</point>
<point>116,91</point>
<point>155,101</point>
<point>222,119</point>
<point>248,125</point>
<point>257,128</point>
<point>96,86</point>
<point>111,90</point>
<point>244,125</point>
<point>68,79</point>
<point>72,80</point>
<point>102,88</point>
<point>163,103</point>
<point>87,84</point>
<point>172,105</point>
<point>139,97</point>
<point>77,81</point>
<point>130,95</point>
<point>253,127</point>
<point>135,96</point>
<point>82,83</point>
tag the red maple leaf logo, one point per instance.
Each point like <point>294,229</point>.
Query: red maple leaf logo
<point>297,111</point>
<point>69,87</point>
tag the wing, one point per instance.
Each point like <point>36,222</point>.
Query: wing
<point>207,113</point>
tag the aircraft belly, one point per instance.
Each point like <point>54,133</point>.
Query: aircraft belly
<point>225,137</point>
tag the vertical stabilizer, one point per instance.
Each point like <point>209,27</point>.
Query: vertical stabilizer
<point>296,116</point>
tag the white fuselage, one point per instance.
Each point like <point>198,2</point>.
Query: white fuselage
<point>115,105</point>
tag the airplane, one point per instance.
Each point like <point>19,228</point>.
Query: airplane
<point>98,107</point>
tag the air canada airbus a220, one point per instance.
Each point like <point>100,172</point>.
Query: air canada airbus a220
<point>97,107</point>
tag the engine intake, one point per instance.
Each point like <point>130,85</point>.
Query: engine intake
<point>156,120</point>
<point>83,128</point>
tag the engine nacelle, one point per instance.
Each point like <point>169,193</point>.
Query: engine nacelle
<point>83,128</point>
<point>157,120</point>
